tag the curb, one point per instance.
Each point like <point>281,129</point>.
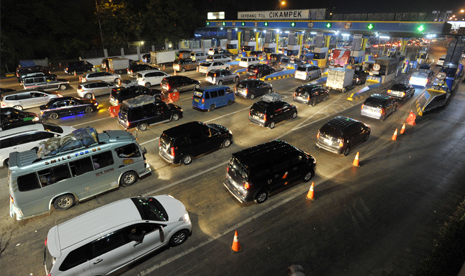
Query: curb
<point>277,78</point>
<point>363,94</point>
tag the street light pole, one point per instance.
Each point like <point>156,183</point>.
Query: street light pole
<point>100,26</point>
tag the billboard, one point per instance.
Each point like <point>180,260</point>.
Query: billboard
<point>282,14</point>
<point>341,57</point>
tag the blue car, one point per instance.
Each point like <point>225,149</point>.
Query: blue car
<point>211,97</point>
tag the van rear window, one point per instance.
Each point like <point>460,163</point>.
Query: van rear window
<point>198,94</point>
<point>28,182</point>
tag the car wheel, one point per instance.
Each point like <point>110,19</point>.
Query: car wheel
<point>252,96</point>
<point>187,159</point>
<point>183,70</point>
<point>179,238</point>
<point>346,151</point>
<point>261,197</point>
<point>63,202</point>
<point>313,103</point>
<point>128,178</point>
<point>220,82</point>
<point>142,127</point>
<point>88,96</point>
<point>326,98</point>
<point>175,117</point>
<point>63,87</point>
<point>54,116</point>
<point>18,107</point>
<point>230,102</point>
<point>236,79</point>
<point>212,107</point>
<point>226,143</point>
<point>88,110</point>
<point>308,176</point>
<point>147,85</point>
<point>272,125</point>
<point>366,137</point>
<point>197,86</point>
<point>294,115</point>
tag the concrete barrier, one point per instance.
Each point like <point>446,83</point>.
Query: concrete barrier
<point>279,75</point>
<point>362,93</point>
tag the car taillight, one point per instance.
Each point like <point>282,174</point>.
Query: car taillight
<point>341,142</point>
<point>60,96</point>
<point>167,87</point>
<point>172,151</point>
<point>256,71</point>
<point>246,91</point>
<point>265,117</point>
<point>362,106</point>
<point>214,75</point>
<point>246,185</point>
<point>381,111</point>
<point>117,101</point>
<point>3,104</point>
<point>308,98</point>
<point>127,70</point>
<point>45,242</point>
<point>389,91</point>
<point>203,100</point>
<point>318,135</point>
<point>41,112</point>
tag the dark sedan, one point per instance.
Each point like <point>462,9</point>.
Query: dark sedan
<point>250,88</point>
<point>260,70</point>
<point>401,91</point>
<point>11,117</point>
<point>179,83</point>
<point>65,106</point>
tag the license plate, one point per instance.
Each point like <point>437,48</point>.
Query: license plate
<point>328,141</point>
<point>196,100</point>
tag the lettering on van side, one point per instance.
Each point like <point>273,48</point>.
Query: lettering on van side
<point>105,171</point>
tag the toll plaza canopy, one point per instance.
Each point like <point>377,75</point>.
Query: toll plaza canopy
<point>320,20</point>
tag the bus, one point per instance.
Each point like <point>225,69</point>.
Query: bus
<point>63,177</point>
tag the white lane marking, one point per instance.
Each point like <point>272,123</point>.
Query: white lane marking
<point>232,228</point>
<point>185,179</point>
<point>149,141</point>
<point>227,114</point>
<point>92,121</point>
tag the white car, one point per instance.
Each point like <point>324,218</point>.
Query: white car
<point>220,58</point>
<point>207,66</point>
<point>150,78</point>
<point>92,89</point>
<point>246,61</point>
<point>421,78</point>
<point>108,238</point>
<point>441,60</point>
<point>102,76</point>
<point>27,137</point>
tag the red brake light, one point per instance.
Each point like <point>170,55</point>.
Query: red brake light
<point>246,90</point>
<point>168,87</point>
<point>45,242</point>
<point>246,185</point>
<point>203,100</point>
<point>363,105</point>
<point>389,91</point>
<point>265,117</point>
<point>341,142</point>
<point>381,111</point>
<point>256,71</point>
<point>172,151</point>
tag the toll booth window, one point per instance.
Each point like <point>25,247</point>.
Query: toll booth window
<point>231,46</point>
<point>54,174</point>
<point>128,151</point>
<point>104,159</point>
<point>319,56</point>
<point>248,48</point>
<point>28,182</point>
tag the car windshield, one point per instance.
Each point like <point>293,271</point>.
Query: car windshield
<point>420,75</point>
<point>302,68</point>
<point>331,131</point>
<point>398,86</point>
<point>210,57</point>
<point>244,59</point>
<point>53,128</point>
<point>237,167</point>
<point>373,102</point>
<point>207,64</point>
<point>150,208</point>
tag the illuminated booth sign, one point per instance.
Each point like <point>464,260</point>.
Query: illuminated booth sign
<point>283,14</point>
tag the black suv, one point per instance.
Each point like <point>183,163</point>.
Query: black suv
<point>119,94</point>
<point>253,173</point>
<point>179,83</point>
<point>378,106</point>
<point>184,142</point>
<point>134,68</point>
<point>270,110</point>
<point>342,134</point>
<point>259,70</point>
<point>250,88</point>
<point>144,110</point>
<point>78,66</point>
<point>311,94</point>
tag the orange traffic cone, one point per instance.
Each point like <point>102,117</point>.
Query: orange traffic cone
<point>311,192</point>
<point>402,130</point>
<point>236,246</point>
<point>75,73</point>
<point>411,119</point>
<point>394,137</point>
<point>356,162</point>
<point>164,67</point>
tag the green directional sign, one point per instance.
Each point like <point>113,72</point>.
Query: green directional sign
<point>243,23</point>
<point>266,24</point>
<point>208,23</point>
<point>329,24</point>
<point>370,26</point>
<point>292,24</point>
<point>224,23</point>
<point>421,28</point>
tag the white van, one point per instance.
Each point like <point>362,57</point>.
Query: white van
<point>27,137</point>
<point>198,56</point>
<point>246,61</point>
<point>441,60</point>
<point>108,238</point>
<point>150,78</point>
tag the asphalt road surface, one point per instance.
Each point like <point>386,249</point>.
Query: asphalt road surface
<point>378,219</point>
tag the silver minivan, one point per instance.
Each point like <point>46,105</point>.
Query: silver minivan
<point>108,238</point>
<point>48,82</point>
<point>27,98</point>
<point>92,89</point>
<point>198,56</point>
<point>307,72</point>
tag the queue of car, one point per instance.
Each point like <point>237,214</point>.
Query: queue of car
<point>148,223</point>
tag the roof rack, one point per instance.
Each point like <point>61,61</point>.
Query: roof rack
<point>271,97</point>
<point>79,138</point>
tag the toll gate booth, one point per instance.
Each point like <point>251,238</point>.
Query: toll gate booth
<point>269,48</point>
<point>232,46</point>
<point>293,50</point>
<point>319,55</point>
<point>249,47</point>
<point>357,56</point>
<point>386,69</point>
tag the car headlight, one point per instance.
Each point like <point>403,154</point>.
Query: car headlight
<point>185,218</point>
<point>35,119</point>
